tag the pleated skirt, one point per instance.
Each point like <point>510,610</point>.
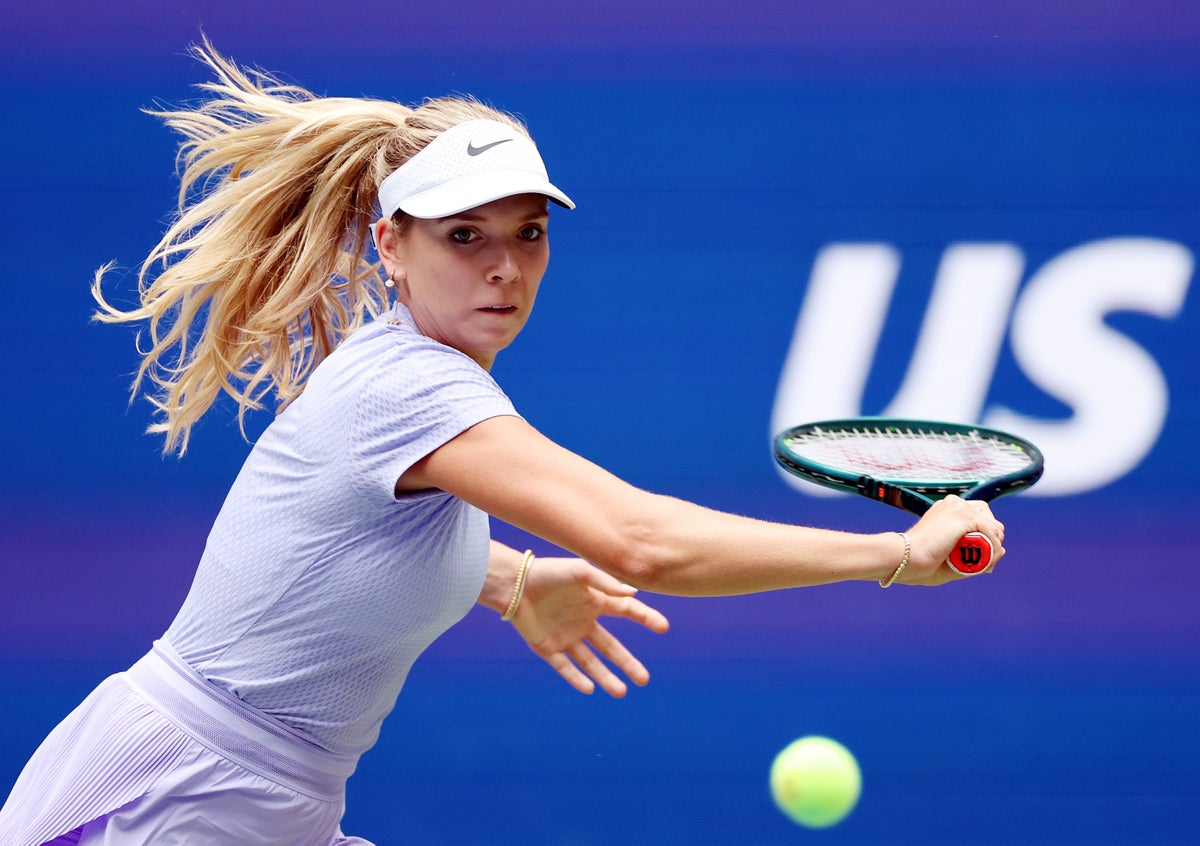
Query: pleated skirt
<point>158,754</point>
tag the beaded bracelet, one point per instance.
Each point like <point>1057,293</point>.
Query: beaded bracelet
<point>519,587</point>
<point>886,583</point>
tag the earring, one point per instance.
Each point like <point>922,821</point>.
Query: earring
<point>390,282</point>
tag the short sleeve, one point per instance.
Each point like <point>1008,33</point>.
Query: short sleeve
<point>411,405</point>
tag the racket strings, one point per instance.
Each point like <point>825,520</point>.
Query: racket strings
<point>911,453</point>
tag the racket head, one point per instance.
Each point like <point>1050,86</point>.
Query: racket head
<point>909,463</point>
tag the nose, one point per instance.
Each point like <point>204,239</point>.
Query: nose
<point>505,267</point>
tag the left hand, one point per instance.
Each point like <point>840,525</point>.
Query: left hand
<point>559,619</point>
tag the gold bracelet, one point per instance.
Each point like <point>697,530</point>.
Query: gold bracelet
<point>519,587</point>
<point>886,583</point>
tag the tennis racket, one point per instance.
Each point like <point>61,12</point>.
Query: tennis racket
<point>913,463</point>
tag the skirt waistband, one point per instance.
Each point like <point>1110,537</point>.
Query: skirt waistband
<point>233,729</point>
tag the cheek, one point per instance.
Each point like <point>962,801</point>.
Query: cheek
<point>433,279</point>
<point>539,260</point>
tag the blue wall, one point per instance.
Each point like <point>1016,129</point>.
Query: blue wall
<point>1033,166</point>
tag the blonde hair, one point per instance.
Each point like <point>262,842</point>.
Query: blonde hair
<point>266,265</point>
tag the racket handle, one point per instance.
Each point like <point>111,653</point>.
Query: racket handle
<point>972,554</point>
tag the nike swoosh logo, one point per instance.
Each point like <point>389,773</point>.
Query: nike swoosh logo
<point>472,150</point>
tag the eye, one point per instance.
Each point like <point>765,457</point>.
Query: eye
<point>533,232</point>
<point>463,236</point>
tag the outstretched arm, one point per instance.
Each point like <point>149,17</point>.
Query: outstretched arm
<point>559,617</point>
<point>667,545</point>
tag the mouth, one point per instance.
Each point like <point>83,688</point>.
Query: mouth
<point>498,309</point>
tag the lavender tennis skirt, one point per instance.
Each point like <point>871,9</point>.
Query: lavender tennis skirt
<point>159,755</point>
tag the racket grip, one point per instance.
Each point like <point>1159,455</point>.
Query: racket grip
<point>972,554</point>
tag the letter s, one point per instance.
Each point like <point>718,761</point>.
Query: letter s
<point>1115,389</point>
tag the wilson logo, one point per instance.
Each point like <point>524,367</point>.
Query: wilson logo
<point>1055,326</point>
<point>970,555</point>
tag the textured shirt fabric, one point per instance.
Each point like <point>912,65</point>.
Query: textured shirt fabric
<point>318,587</point>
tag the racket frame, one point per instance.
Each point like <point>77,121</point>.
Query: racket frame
<point>913,496</point>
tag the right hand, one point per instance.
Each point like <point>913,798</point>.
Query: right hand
<point>935,535</point>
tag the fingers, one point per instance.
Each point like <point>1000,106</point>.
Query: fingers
<point>559,621</point>
<point>938,533</point>
<point>570,673</point>
<point>606,582</point>
<point>622,658</point>
<point>583,669</point>
<point>617,598</point>
<point>987,523</point>
<point>638,612</point>
<point>590,663</point>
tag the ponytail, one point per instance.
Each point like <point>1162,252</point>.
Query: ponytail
<point>266,265</point>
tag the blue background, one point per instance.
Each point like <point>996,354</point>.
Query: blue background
<point>714,150</point>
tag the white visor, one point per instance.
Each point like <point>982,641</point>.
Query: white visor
<point>466,166</point>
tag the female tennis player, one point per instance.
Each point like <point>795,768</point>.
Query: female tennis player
<point>365,262</point>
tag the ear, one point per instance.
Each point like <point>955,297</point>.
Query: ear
<point>390,247</point>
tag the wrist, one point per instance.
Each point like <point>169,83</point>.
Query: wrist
<point>889,580</point>
<point>503,564</point>
<point>518,591</point>
<point>871,557</point>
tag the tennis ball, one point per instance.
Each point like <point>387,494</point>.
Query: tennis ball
<point>815,781</point>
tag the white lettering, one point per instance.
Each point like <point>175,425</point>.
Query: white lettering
<point>961,335</point>
<point>1117,394</point>
<point>1116,391</point>
<point>836,334</point>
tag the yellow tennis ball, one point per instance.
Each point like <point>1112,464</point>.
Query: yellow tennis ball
<point>815,781</point>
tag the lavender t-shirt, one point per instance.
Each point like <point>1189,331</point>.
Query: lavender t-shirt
<point>318,587</point>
